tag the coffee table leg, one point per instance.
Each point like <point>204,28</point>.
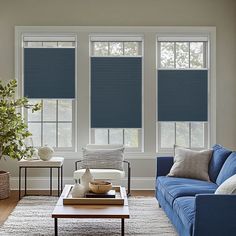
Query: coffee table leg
<point>55,227</point>
<point>122,227</point>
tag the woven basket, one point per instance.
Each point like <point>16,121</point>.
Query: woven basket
<point>4,184</point>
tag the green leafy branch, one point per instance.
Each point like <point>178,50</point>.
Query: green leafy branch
<point>13,130</point>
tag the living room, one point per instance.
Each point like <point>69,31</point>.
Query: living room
<point>118,88</point>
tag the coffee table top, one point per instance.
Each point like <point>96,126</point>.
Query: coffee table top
<point>90,211</point>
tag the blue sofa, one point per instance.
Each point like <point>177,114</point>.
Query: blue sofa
<point>191,204</point>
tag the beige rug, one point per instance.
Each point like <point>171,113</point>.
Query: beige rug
<point>32,216</point>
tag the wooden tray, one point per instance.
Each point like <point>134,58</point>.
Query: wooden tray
<point>118,200</point>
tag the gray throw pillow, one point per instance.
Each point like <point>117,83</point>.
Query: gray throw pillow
<point>228,186</point>
<point>103,158</point>
<point>191,164</point>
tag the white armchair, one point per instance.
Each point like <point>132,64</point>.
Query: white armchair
<point>106,172</point>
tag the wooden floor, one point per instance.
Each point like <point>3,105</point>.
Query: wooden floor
<point>7,205</point>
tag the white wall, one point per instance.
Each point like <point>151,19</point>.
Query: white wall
<point>219,13</point>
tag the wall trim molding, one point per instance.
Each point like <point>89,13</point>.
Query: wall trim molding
<point>42,183</point>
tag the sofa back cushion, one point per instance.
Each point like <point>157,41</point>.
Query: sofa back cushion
<point>218,159</point>
<point>228,169</point>
<point>191,164</point>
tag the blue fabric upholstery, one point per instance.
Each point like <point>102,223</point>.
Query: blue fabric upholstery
<point>172,215</point>
<point>185,209</point>
<point>173,188</point>
<point>218,158</point>
<point>194,214</point>
<point>215,215</point>
<point>164,165</point>
<point>228,169</point>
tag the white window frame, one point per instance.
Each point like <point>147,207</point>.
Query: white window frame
<point>31,37</point>
<point>128,149</point>
<point>41,122</point>
<point>207,59</point>
<point>119,38</point>
<point>170,150</point>
<point>150,34</point>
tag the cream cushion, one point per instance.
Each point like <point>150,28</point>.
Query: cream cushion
<point>191,164</point>
<point>228,186</point>
<point>101,173</point>
<point>103,158</point>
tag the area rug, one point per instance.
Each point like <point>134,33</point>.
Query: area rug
<point>32,216</point>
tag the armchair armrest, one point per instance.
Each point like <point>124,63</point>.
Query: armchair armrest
<point>164,165</point>
<point>127,162</point>
<point>215,215</point>
<point>76,164</point>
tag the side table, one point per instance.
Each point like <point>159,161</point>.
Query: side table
<point>54,162</point>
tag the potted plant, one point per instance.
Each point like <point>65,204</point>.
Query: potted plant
<point>13,130</point>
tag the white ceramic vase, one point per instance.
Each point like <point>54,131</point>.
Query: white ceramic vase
<point>86,178</point>
<point>78,191</point>
<point>45,153</point>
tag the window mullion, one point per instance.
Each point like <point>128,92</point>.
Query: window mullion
<point>123,133</point>
<point>108,136</point>
<point>175,55</point>
<point>190,134</point>
<point>188,54</point>
<point>109,49</point>
<point>175,132</point>
<point>42,122</point>
<point>57,133</point>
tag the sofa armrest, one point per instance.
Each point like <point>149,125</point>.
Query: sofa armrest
<point>215,215</point>
<point>164,165</point>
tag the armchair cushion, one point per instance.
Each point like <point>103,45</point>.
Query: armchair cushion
<point>101,173</point>
<point>103,158</point>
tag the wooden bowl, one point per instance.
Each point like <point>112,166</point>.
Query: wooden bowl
<point>100,186</point>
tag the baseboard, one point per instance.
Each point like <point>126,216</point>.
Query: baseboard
<point>42,183</point>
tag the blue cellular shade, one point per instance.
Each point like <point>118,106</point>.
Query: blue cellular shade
<point>116,92</point>
<point>182,95</point>
<point>49,73</point>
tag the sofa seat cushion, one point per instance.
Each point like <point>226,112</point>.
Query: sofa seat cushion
<point>185,209</point>
<point>173,188</point>
<point>218,159</point>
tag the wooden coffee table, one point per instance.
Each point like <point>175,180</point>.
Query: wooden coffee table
<point>90,211</point>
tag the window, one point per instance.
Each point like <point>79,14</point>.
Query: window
<point>129,137</point>
<point>53,124</point>
<point>182,55</point>
<point>116,91</point>
<point>49,78</point>
<point>116,48</point>
<point>182,87</point>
